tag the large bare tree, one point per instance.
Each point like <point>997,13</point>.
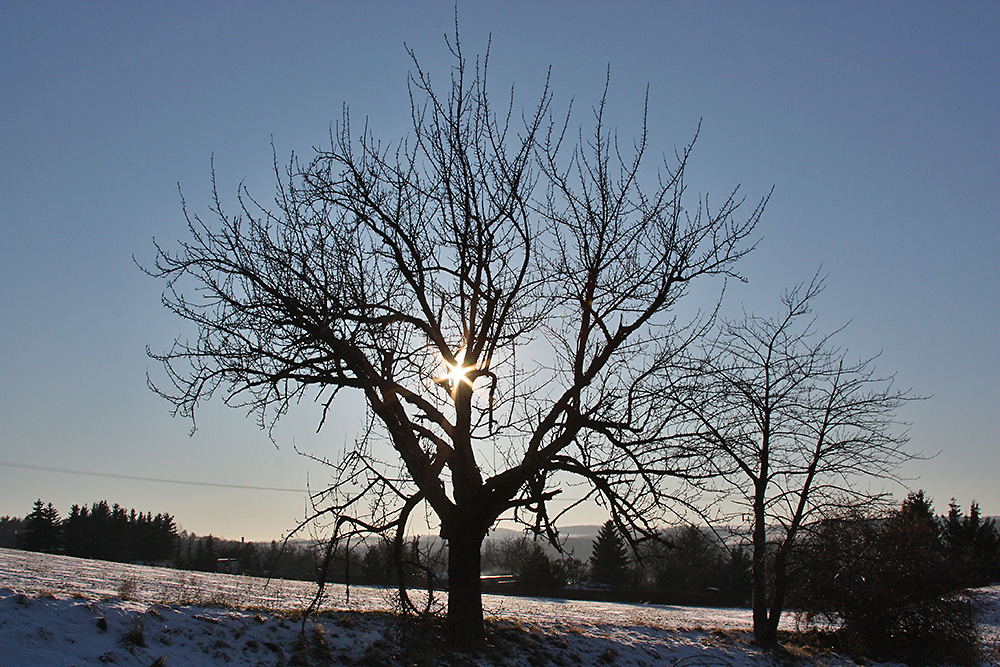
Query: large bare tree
<point>792,431</point>
<point>500,289</point>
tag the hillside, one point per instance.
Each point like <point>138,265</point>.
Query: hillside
<point>56,611</point>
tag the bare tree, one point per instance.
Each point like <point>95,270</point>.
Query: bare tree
<point>792,429</point>
<point>500,294</point>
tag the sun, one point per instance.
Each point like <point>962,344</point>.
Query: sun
<point>457,372</point>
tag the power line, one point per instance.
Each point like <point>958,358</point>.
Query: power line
<point>161,480</point>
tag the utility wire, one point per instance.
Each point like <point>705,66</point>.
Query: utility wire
<point>89,473</point>
<point>161,480</point>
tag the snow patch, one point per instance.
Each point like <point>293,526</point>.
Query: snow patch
<point>57,611</point>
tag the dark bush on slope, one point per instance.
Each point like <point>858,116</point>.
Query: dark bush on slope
<point>889,583</point>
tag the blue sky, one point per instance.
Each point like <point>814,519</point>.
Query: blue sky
<point>876,123</point>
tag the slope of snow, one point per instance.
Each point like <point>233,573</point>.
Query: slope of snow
<point>58,611</point>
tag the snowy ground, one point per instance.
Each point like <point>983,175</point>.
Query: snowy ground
<point>57,611</point>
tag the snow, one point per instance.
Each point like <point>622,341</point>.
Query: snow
<point>57,611</point>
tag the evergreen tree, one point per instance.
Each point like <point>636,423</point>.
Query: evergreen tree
<point>204,555</point>
<point>41,530</point>
<point>735,582</point>
<point>692,565</point>
<point>10,529</point>
<point>164,542</point>
<point>376,568</point>
<point>972,545</point>
<point>99,535</point>
<point>113,533</point>
<point>537,573</point>
<point>75,528</point>
<point>609,561</point>
<point>918,513</point>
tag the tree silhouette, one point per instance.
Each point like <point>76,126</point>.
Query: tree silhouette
<point>788,425</point>
<point>886,581</point>
<point>692,562</point>
<point>973,545</point>
<point>609,560</point>
<point>538,573</point>
<point>102,531</point>
<point>41,529</point>
<point>500,296</point>
<point>10,530</point>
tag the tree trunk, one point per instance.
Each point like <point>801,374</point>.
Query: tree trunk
<point>759,587</point>
<point>770,634</point>
<point>465,599</point>
<point>758,571</point>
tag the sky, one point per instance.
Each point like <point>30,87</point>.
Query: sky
<point>875,123</point>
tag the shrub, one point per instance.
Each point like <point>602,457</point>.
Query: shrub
<point>135,636</point>
<point>311,648</point>
<point>929,632</point>
<point>127,587</point>
<point>888,582</point>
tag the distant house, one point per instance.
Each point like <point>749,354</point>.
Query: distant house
<point>227,565</point>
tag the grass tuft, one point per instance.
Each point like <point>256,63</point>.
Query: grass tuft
<point>311,648</point>
<point>128,587</point>
<point>135,636</point>
<point>608,657</point>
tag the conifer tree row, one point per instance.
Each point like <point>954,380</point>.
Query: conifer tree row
<point>102,531</point>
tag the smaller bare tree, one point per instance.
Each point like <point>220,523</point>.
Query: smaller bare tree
<point>792,428</point>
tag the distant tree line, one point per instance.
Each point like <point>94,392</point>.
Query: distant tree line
<point>531,569</point>
<point>688,565</point>
<point>111,532</point>
<point>281,560</point>
<point>695,569</point>
<point>102,531</point>
<point>844,566</point>
<point>308,560</point>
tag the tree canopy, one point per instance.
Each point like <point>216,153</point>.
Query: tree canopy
<point>790,428</point>
<point>500,289</point>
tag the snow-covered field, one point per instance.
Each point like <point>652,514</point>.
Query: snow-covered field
<point>57,611</point>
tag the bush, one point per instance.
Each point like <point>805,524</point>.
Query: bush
<point>929,632</point>
<point>888,582</point>
<point>135,636</point>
